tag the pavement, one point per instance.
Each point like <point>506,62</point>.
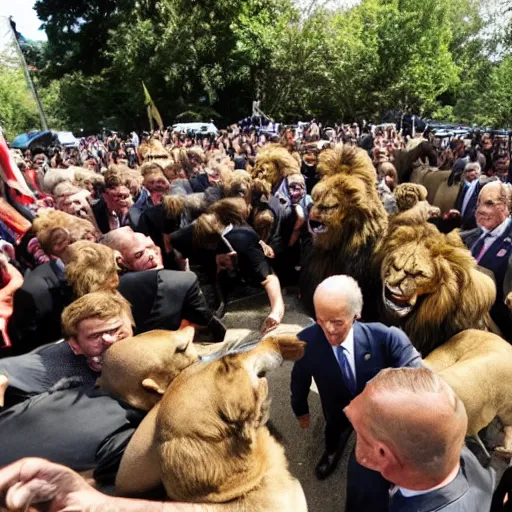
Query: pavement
<point>304,448</point>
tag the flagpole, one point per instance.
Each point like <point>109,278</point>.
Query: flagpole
<point>28,77</point>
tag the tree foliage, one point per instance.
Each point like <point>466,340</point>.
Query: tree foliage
<point>204,60</point>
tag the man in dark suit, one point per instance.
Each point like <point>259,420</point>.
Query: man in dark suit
<point>410,428</point>
<point>342,355</point>
<point>160,298</point>
<point>465,204</point>
<point>491,244</point>
<point>111,210</point>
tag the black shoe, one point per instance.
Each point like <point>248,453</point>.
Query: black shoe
<point>329,460</point>
<point>327,464</point>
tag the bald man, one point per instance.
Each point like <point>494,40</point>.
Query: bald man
<point>342,355</point>
<point>410,427</point>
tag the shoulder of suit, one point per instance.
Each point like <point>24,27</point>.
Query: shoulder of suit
<point>174,277</point>
<point>310,333</point>
<point>378,328</point>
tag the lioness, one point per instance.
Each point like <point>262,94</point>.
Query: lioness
<point>207,439</point>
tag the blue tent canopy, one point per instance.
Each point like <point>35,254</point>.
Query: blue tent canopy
<point>31,139</point>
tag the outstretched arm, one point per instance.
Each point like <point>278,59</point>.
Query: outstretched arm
<point>32,481</point>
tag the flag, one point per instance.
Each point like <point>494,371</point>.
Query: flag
<point>10,173</point>
<point>152,110</point>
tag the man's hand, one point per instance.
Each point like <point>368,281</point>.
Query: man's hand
<point>32,481</point>
<point>225,261</point>
<point>4,383</point>
<point>271,322</point>
<point>304,420</point>
<point>267,250</point>
<point>452,214</point>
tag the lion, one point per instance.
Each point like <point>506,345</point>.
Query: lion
<point>347,222</point>
<point>274,163</point>
<point>478,365</point>
<point>151,361</point>
<point>207,440</point>
<point>431,286</point>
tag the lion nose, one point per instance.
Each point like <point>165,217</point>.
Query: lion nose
<point>313,214</point>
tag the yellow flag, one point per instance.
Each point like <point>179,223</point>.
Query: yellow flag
<point>152,110</point>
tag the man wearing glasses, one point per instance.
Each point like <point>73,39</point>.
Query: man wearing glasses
<point>491,243</point>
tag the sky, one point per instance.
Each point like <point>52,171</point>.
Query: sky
<point>27,22</point>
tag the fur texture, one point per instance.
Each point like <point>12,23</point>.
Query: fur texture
<point>207,440</point>
<point>409,194</point>
<point>431,286</point>
<point>348,222</point>
<point>273,164</point>
<point>478,365</point>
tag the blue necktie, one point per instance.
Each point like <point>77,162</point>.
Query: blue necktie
<point>346,370</point>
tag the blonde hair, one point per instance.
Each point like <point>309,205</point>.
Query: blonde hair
<point>52,223</point>
<point>92,267</point>
<point>102,305</point>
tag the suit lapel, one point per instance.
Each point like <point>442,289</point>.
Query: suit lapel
<point>362,356</point>
<point>503,243</point>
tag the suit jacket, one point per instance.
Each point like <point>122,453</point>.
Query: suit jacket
<point>161,299</point>
<point>471,491</point>
<point>468,218</point>
<point>496,259</point>
<point>376,347</point>
<point>38,305</point>
<point>100,211</point>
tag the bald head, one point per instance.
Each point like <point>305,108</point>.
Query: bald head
<point>415,415</point>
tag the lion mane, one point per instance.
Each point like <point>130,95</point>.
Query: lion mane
<point>408,195</point>
<point>431,286</point>
<point>347,221</point>
<point>274,164</point>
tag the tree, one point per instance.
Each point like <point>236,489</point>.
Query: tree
<point>18,111</point>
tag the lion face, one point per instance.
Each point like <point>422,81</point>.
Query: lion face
<point>327,213</point>
<point>408,275</point>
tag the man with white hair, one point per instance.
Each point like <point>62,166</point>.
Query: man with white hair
<point>490,243</point>
<point>342,355</point>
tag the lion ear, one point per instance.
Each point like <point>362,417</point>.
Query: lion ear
<point>151,385</point>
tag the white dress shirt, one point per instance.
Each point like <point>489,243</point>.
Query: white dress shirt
<point>348,346</point>
<point>492,235</point>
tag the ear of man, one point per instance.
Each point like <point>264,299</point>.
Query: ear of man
<point>74,346</point>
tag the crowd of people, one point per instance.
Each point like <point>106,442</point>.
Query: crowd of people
<point>123,235</point>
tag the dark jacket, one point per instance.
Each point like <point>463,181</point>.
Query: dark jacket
<point>496,259</point>
<point>37,307</point>
<point>161,299</point>
<point>471,491</point>
<point>100,211</point>
<point>376,347</point>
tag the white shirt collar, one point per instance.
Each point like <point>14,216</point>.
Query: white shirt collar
<point>227,229</point>
<point>498,230</point>
<point>348,344</point>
